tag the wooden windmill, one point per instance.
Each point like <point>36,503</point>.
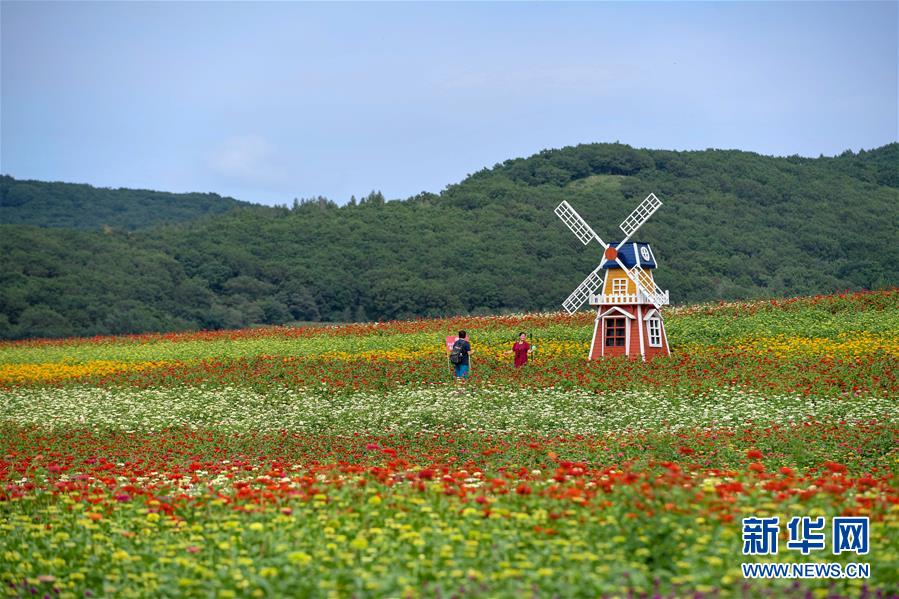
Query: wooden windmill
<point>628,301</point>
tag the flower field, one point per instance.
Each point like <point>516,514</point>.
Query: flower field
<point>344,461</point>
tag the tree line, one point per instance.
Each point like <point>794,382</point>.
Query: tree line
<point>734,225</point>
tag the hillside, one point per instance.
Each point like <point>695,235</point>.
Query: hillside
<point>734,225</point>
<point>78,206</point>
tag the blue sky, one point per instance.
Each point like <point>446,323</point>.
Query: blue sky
<point>271,101</point>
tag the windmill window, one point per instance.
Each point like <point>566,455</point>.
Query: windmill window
<point>615,332</point>
<point>619,286</point>
<point>654,326</point>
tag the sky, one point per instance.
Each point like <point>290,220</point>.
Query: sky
<point>267,102</point>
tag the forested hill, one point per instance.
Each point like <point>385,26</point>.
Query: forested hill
<point>734,225</point>
<point>78,206</point>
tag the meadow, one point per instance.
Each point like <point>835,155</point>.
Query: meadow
<point>344,461</point>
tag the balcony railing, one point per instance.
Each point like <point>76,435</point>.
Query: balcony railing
<point>627,298</point>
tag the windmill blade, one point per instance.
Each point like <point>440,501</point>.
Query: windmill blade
<point>583,291</point>
<point>632,276</point>
<point>639,216</point>
<point>577,225</point>
<point>636,219</point>
<point>645,284</point>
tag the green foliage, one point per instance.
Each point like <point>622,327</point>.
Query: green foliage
<point>734,225</point>
<point>74,206</point>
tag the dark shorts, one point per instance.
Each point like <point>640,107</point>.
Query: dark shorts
<point>461,371</point>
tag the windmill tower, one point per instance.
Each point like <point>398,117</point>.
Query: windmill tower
<point>628,314</point>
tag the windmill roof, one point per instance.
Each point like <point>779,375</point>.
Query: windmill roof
<point>630,253</point>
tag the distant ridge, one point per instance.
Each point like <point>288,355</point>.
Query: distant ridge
<point>734,225</point>
<point>80,206</point>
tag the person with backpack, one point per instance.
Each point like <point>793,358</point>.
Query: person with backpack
<point>459,356</point>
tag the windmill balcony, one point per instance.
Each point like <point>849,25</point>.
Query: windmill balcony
<point>628,299</point>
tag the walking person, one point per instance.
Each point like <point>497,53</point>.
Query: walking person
<point>460,357</point>
<point>521,349</point>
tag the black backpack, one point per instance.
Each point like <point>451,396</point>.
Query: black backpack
<point>455,356</point>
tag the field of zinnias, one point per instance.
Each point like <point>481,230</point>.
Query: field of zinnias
<point>343,461</point>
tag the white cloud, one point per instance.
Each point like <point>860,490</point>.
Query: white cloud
<point>249,159</point>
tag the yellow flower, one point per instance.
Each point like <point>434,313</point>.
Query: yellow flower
<point>359,543</point>
<point>299,557</point>
<point>53,371</point>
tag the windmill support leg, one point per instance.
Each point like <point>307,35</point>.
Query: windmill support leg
<point>592,353</point>
<point>640,329</point>
<point>665,339</point>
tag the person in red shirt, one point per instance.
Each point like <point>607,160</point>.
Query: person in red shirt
<point>521,349</point>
